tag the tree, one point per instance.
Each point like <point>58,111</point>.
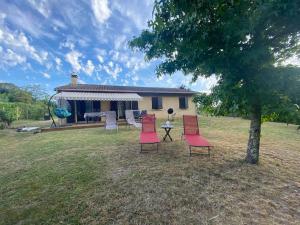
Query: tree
<point>37,92</point>
<point>7,117</point>
<point>242,42</point>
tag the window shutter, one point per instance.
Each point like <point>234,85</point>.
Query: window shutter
<point>183,102</point>
<point>186,99</point>
<point>154,102</point>
<point>159,100</point>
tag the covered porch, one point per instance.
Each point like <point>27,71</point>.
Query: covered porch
<point>81,104</point>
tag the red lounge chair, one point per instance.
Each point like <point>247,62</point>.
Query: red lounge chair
<point>148,134</point>
<point>191,134</point>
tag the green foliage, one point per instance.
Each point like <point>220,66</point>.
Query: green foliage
<point>242,43</point>
<point>11,93</point>
<point>7,116</point>
<point>24,111</point>
<point>238,41</point>
<point>205,103</point>
<point>23,103</point>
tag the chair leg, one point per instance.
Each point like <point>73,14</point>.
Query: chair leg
<point>141,147</point>
<point>190,150</point>
<point>156,147</point>
<point>208,148</point>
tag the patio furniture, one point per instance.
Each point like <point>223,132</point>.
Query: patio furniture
<point>131,120</point>
<point>136,114</point>
<point>167,128</point>
<point>93,115</point>
<point>111,120</point>
<point>143,113</point>
<point>192,135</point>
<point>60,109</point>
<point>148,134</point>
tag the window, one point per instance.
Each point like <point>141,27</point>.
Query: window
<point>134,105</point>
<point>96,106</point>
<point>131,105</point>
<point>88,106</point>
<point>157,102</point>
<point>183,102</point>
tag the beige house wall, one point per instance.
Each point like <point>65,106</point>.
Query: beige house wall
<point>105,106</point>
<point>167,102</point>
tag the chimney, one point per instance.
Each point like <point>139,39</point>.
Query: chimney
<point>74,78</point>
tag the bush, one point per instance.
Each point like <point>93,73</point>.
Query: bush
<point>20,110</point>
<point>7,116</point>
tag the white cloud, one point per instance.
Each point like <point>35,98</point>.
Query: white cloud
<point>41,6</point>
<point>24,20</point>
<point>120,41</point>
<point>73,58</point>
<point>111,64</point>
<point>89,68</point>
<point>19,43</point>
<point>135,78</point>
<point>101,10</point>
<point>100,51</point>
<point>67,44</point>
<point>58,63</point>
<point>134,62</point>
<point>10,58</point>
<point>100,58</point>
<point>136,11</point>
<point>112,69</point>
<point>46,75</point>
<point>58,23</point>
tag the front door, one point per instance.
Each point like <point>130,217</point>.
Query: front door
<point>121,110</point>
<point>114,107</point>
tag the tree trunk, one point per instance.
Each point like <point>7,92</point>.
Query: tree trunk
<point>254,136</point>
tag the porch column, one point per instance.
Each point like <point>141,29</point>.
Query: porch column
<point>75,110</point>
<point>118,109</point>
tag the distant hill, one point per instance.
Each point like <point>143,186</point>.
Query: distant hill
<point>12,93</point>
<point>7,87</point>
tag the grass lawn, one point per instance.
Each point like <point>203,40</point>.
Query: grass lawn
<point>91,176</point>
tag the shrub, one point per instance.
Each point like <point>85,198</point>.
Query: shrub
<point>7,116</point>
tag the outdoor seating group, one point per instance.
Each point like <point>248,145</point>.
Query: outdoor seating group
<point>190,134</point>
<point>148,135</point>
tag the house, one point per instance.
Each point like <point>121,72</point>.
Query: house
<point>83,98</point>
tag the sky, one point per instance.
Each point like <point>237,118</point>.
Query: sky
<point>43,41</point>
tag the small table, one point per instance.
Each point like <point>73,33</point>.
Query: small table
<point>167,129</point>
<point>93,115</point>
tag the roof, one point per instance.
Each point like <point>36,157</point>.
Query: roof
<point>123,89</point>
<point>93,96</point>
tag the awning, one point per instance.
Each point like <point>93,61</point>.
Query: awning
<point>90,96</point>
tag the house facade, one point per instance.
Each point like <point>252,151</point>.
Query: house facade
<point>86,98</point>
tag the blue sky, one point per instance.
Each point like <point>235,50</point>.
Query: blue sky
<point>42,42</point>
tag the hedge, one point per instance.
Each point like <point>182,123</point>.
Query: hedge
<point>21,110</point>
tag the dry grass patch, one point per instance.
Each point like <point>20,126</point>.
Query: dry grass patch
<point>96,177</point>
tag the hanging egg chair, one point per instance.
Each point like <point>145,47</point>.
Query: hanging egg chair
<point>61,109</point>
<point>62,113</point>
